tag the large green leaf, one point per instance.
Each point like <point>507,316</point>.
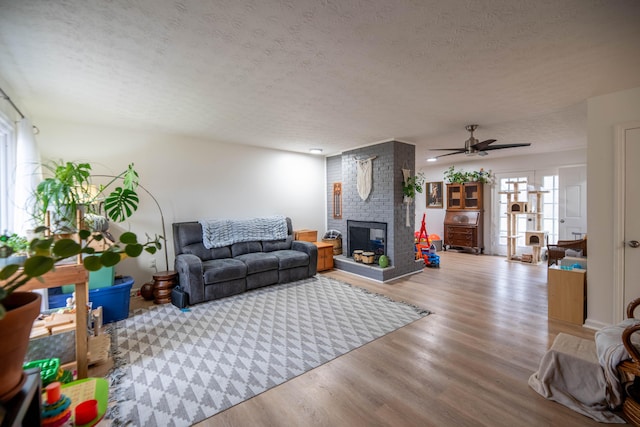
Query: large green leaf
<point>121,204</point>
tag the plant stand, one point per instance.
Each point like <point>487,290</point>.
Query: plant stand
<point>63,275</point>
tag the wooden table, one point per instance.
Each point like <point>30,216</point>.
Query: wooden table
<point>163,283</point>
<point>325,255</point>
<point>64,275</point>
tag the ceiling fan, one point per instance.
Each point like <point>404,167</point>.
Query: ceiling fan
<point>474,147</point>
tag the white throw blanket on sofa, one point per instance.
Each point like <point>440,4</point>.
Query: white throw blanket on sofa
<point>217,233</point>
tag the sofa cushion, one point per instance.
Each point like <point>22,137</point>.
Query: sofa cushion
<point>291,259</point>
<point>224,269</point>
<point>242,248</point>
<point>277,245</point>
<point>259,261</point>
<point>205,254</point>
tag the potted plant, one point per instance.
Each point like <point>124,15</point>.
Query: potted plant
<point>61,195</point>
<point>70,187</point>
<point>460,176</point>
<point>18,310</point>
<point>13,249</point>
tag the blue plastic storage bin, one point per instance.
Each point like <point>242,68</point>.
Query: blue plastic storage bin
<point>114,300</point>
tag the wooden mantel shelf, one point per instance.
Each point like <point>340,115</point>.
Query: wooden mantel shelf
<point>64,275</point>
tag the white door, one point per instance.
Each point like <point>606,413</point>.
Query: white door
<point>499,214</point>
<point>632,208</point>
<point>572,202</point>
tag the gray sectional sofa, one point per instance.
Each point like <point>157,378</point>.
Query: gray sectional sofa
<point>208,274</point>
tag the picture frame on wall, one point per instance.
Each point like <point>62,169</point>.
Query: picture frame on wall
<point>434,195</point>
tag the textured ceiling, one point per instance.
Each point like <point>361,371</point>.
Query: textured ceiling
<point>335,74</point>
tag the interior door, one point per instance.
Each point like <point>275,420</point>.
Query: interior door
<point>572,202</point>
<point>632,208</point>
<point>499,212</point>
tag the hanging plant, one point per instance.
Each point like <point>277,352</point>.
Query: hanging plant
<point>412,185</point>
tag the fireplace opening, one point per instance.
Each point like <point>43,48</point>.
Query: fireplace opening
<point>368,236</point>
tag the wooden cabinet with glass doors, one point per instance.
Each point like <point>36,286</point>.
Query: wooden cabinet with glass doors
<point>464,196</point>
<point>463,223</point>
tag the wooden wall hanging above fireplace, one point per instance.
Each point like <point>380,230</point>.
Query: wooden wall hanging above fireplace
<point>337,200</point>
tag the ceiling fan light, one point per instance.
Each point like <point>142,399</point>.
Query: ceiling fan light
<point>432,159</point>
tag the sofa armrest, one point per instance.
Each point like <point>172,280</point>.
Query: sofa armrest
<point>191,276</point>
<point>311,250</point>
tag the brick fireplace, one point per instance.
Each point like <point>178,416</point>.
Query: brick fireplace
<point>378,223</point>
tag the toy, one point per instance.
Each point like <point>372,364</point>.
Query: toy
<point>56,409</point>
<point>428,255</point>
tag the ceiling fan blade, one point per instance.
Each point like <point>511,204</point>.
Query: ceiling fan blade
<point>447,149</point>
<point>482,145</point>
<point>449,154</point>
<point>498,147</point>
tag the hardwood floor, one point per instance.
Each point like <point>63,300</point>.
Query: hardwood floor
<point>466,364</point>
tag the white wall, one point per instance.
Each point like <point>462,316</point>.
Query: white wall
<point>540,162</point>
<point>603,113</point>
<point>192,179</point>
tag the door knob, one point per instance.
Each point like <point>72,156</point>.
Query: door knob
<point>634,244</point>
<point>562,221</point>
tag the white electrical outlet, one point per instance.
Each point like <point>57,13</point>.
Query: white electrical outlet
<point>152,263</point>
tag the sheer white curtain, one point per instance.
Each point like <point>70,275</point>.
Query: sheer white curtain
<point>7,171</point>
<point>28,175</point>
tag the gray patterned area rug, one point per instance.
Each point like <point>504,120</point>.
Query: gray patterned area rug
<point>176,368</point>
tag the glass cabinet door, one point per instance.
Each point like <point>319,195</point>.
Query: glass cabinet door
<point>454,196</point>
<point>472,195</point>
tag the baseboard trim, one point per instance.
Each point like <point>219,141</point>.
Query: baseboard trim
<point>594,324</point>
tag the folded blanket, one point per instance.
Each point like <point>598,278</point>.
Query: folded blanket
<point>217,233</point>
<point>570,374</point>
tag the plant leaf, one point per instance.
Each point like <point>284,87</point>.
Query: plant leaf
<point>128,238</point>
<point>7,272</point>
<point>120,204</point>
<point>66,248</point>
<point>92,263</point>
<point>38,265</point>
<point>133,250</point>
<point>109,259</point>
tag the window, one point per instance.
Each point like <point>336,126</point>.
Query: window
<point>546,180</point>
<point>7,172</point>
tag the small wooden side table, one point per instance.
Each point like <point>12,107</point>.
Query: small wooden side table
<point>163,283</point>
<point>325,256</point>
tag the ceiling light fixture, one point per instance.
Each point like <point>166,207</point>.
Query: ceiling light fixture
<point>316,151</point>
<point>432,159</point>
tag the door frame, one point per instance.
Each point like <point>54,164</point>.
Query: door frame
<point>619,217</point>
